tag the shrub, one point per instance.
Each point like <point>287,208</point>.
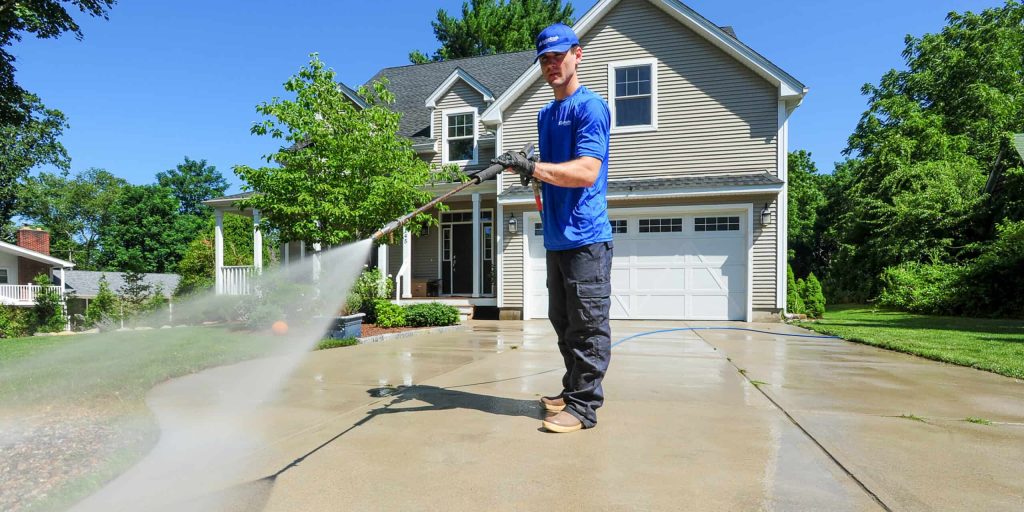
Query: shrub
<point>794,303</point>
<point>14,322</point>
<point>48,312</point>
<point>333,343</point>
<point>814,299</point>
<point>388,314</point>
<point>920,287</point>
<point>103,308</point>
<point>431,314</point>
<point>370,287</point>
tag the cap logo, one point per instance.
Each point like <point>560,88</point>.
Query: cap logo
<point>549,40</point>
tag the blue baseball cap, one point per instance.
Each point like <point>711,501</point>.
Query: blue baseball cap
<point>555,38</point>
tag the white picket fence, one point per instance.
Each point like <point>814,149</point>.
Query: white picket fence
<point>236,280</point>
<point>23,294</point>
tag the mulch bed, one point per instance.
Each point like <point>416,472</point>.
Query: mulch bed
<point>373,330</point>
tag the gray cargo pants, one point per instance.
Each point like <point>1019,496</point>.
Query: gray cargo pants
<point>579,297</point>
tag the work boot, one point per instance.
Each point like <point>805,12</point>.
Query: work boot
<point>562,422</point>
<point>553,404</point>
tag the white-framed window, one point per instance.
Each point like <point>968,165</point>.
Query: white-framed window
<point>716,224</point>
<point>538,229</point>
<point>458,129</point>
<point>619,226</point>
<point>446,244</point>
<point>669,225</point>
<point>5,276</point>
<point>633,91</point>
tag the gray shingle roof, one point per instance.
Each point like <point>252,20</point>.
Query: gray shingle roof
<point>413,84</point>
<point>86,283</point>
<point>699,181</point>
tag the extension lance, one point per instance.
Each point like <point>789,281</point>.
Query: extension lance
<point>476,179</point>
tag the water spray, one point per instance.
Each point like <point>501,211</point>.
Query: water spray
<point>476,179</point>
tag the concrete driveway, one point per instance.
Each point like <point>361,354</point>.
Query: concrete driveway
<point>694,420</point>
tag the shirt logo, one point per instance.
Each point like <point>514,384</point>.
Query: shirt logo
<point>565,123</point>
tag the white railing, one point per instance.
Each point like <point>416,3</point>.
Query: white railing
<point>236,280</point>
<point>23,294</point>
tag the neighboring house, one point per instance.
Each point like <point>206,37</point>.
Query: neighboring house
<point>22,262</point>
<point>83,285</point>
<point>697,171</point>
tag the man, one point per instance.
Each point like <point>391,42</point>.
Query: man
<point>573,168</point>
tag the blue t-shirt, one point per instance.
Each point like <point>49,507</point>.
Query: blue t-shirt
<point>571,128</point>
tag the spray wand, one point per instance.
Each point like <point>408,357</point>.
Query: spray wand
<point>476,179</point>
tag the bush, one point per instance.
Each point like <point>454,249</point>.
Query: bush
<point>920,287</point>
<point>370,287</point>
<point>794,303</point>
<point>431,314</point>
<point>388,314</point>
<point>333,343</point>
<point>48,313</point>
<point>14,322</point>
<point>814,299</point>
<point>103,309</point>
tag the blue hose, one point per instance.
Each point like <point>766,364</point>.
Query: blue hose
<point>648,333</point>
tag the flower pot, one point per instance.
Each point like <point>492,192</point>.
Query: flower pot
<point>350,326</point>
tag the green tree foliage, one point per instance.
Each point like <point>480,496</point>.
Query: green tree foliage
<point>932,171</point>
<point>345,172</point>
<point>135,293</point>
<point>145,232</point>
<point>48,311</point>
<point>370,287</point>
<point>104,307</point>
<point>45,19</point>
<point>488,27</point>
<point>814,299</point>
<point>197,265</point>
<point>192,182</point>
<point>28,144</point>
<point>794,302</point>
<point>75,210</point>
<point>806,200</point>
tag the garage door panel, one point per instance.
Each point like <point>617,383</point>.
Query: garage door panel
<point>621,280</point>
<point>656,306</point>
<point>660,278</point>
<point>660,250</point>
<point>708,306</point>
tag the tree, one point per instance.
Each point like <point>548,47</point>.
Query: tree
<point>75,210</point>
<point>806,200</point>
<point>932,171</point>
<point>145,232</point>
<point>135,293</point>
<point>103,307</point>
<point>193,182</point>
<point>45,19</point>
<point>26,145</point>
<point>814,299</point>
<point>488,27</point>
<point>48,312</point>
<point>794,302</point>
<point>345,172</point>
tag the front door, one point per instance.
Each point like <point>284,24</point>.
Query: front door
<point>457,260</point>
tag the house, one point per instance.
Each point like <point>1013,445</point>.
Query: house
<point>21,262</point>
<point>697,170</point>
<point>84,285</point>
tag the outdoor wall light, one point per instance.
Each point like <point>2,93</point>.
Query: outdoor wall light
<point>513,224</point>
<point>766,215</point>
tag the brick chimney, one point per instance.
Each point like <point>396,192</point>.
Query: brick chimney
<point>34,240</point>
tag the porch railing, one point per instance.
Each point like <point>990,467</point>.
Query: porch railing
<point>23,294</point>
<point>236,280</point>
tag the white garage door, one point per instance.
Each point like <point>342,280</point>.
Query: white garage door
<point>668,265</point>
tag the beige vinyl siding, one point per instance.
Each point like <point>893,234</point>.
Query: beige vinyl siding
<point>714,114</point>
<point>461,95</point>
<point>764,258</point>
<point>512,257</point>
<point>424,254</point>
<point>395,257</point>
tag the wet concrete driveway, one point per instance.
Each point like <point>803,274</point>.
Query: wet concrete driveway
<point>694,420</point>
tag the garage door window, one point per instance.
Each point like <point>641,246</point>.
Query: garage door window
<point>618,226</point>
<point>538,230</point>
<point>716,224</point>
<point>661,225</point>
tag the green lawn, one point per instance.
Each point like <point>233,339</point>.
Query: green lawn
<point>65,389</point>
<point>987,344</point>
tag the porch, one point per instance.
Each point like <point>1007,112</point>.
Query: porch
<point>25,294</point>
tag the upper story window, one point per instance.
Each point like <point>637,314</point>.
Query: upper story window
<point>634,95</point>
<point>460,136</point>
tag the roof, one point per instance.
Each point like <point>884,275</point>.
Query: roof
<point>413,84</point>
<point>738,183</point>
<point>86,283</point>
<point>34,255</point>
<point>790,89</point>
<point>224,202</point>
<point>1018,141</point>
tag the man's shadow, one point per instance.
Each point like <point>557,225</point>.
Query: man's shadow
<point>441,399</point>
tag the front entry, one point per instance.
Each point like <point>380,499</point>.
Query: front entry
<point>457,269</point>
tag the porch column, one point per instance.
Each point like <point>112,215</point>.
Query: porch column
<point>218,251</point>
<point>64,300</point>
<point>257,243</point>
<point>406,270</point>
<point>382,259</point>
<point>316,262</point>
<point>476,244</point>
<point>287,254</point>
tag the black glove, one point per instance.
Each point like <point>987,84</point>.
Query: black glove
<point>518,162</point>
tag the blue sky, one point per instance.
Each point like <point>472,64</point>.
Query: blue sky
<point>162,80</point>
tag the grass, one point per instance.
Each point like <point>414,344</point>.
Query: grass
<point>912,417</point>
<point>103,379</point>
<point>979,421</point>
<point>994,345</point>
